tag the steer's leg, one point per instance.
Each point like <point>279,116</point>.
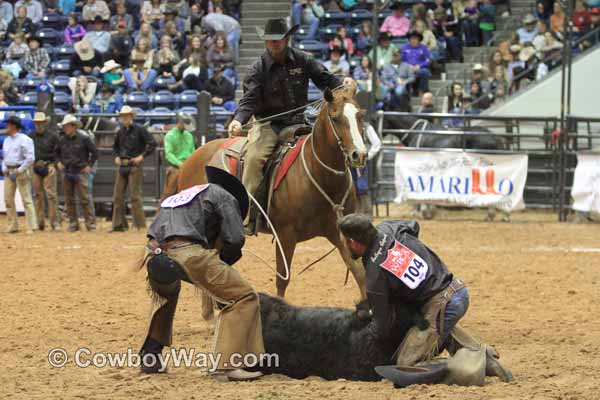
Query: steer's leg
<point>288,242</point>
<point>355,266</point>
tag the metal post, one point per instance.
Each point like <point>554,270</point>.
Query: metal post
<point>203,118</point>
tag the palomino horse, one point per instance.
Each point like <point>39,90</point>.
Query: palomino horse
<point>317,188</point>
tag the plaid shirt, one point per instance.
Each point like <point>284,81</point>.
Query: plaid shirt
<point>36,62</point>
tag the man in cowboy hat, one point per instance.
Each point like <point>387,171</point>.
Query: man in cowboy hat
<point>44,173</point>
<point>18,153</point>
<point>85,60</point>
<point>220,88</point>
<point>276,83</point>
<point>385,50</point>
<point>36,61</point>
<point>396,24</point>
<point>179,145</point>
<point>400,268</point>
<point>416,54</point>
<point>529,31</point>
<point>76,154</point>
<point>132,144</point>
<point>196,237</point>
<point>99,37</point>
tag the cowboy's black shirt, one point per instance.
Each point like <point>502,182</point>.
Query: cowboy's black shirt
<point>272,88</point>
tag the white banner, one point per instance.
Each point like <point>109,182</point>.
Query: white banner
<point>586,183</point>
<point>18,201</point>
<point>461,179</point>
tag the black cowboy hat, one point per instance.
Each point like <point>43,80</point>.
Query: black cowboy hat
<point>98,18</point>
<point>14,120</point>
<point>383,36</point>
<point>276,29</point>
<point>416,34</point>
<point>396,5</point>
<point>231,184</point>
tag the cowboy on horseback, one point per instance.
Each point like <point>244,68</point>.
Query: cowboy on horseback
<point>277,83</point>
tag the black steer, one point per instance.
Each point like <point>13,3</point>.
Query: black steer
<point>329,342</point>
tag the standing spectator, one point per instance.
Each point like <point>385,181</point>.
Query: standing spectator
<point>82,93</point>
<point>121,16</point>
<point>528,32</point>
<point>427,106</point>
<point>44,177</point>
<point>397,76</point>
<point>121,45</point>
<point>165,58</point>
<point>21,24</point>
<point>132,144</point>
<point>487,20</point>
<point>76,154</point>
<point>341,35</point>
<point>416,55</point>
<point>218,21</point>
<point>95,8</point>
<point>308,12</point>
<point>106,101</point>
<point>66,7</point>
<point>385,49</point>
<point>85,60</point>
<point>221,89</point>
<point>99,37</point>
<point>35,12</point>
<point>138,76</point>
<point>18,153</point>
<point>74,31</point>
<point>179,146</point>
<point>17,48</point>
<point>364,41</point>
<point>557,19</point>
<point>397,24</point>
<point>147,32</point>
<point>6,11</point>
<point>37,60</point>
<point>143,50</point>
<point>335,64</point>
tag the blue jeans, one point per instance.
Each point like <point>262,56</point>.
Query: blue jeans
<point>456,308</point>
<point>423,75</point>
<point>147,84</point>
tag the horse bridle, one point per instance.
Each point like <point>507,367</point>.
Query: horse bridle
<point>340,146</point>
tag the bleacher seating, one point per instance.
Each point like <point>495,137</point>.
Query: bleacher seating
<point>162,83</point>
<point>314,46</point>
<point>29,99</point>
<point>137,99</point>
<point>61,67</point>
<point>62,101</point>
<point>188,98</point>
<point>61,82</point>
<point>49,36</point>
<point>65,52</point>
<point>164,98</point>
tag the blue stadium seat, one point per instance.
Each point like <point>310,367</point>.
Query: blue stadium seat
<point>141,116</point>
<point>328,32</point>
<point>163,98</point>
<point>383,14</point>
<point>354,61</point>
<point>64,52</point>
<point>61,67</point>
<point>301,33</point>
<point>49,36</point>
<point>62,100</point>
<point>188,98</point>
<point>353,31</point>
<point>163,83</point>
<point>220,114</point>
<point>29,99</point>
<point>339,17</point>
<point>163,119</point>
<point>30,84</point>
<point>188,110</point>
<point>359,15</point>
<point>137,99</point>
<point>399,42</point>
<point>61,82</point>
<point>314,46</point>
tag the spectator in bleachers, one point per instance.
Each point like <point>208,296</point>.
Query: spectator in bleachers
<point>195,48</point>
<point>195,75</point>
<point>121,15</point>
<point>138,76</point>
<point>336,65</point>
<point>36,60</point>
<point>66,7</point>
<point>153,12</point>
<point>363,74</point>
<point>516,62</point>
<point>308,12</point>
<point>143,50</point>
<point>447,31</point>
<point>21,23</point>
<point>106,101</point>
<point>6,11</point>
<point>539,41</point>
<point>385,50</point>
<point>85,60</point>
<point>177,36</point>
<point>480,100</point>
<point>220,54</point>
<point>217,21</point>
<point>429,39</point>
<point>166,58</point>
<point>17,48</point>
<point>193,24</point>
<point>469,20</point>
<point>397,76</point>
<point>427,106</point>
<point>74,31</point>
<point>344,40</point>
<point>3,29</point>
<point>82,93</point>
<point>3,102</point>
<point>419,13</point>
<point>557,19</point>
<point>183,8</point>
<point>146,31</point>
<point>121,45</point>
<point>8,87</point>
<point>417,56</point>
<point>171,14</point>
<point>529,31</point>
<point>93,9</point>
<point>541,12</point>
<point>50,6</point>
<point>487,20</point>
<point>112,76</point>
<point>581,17</point>
<point>221,89</point>
<point>496,60</point>
<point>35,12</point>
<point>592,39</point>
<point>477,76</point>
<point>498,78</point>
<point>364,41</point>
<point>397,24</point>
<point>99,37</point>
<point>454,103</point>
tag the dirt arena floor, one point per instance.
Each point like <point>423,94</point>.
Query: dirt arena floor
<point>534,285</point>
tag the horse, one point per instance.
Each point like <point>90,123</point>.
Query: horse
<point>316,190</point>
<point>480,139</point>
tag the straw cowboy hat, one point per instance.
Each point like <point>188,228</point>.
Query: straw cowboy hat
<point>127,110</point>
<point>526,53</point>
<point>84,50</point>
<point>70,119</point>
<point>478,67</point>
<point>276,29</point>
<point>39,117</point>
<point>109,66</point>
<point>529,19</point>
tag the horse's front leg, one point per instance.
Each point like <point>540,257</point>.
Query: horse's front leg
<point>355,266</point>
<point>288,242</point>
